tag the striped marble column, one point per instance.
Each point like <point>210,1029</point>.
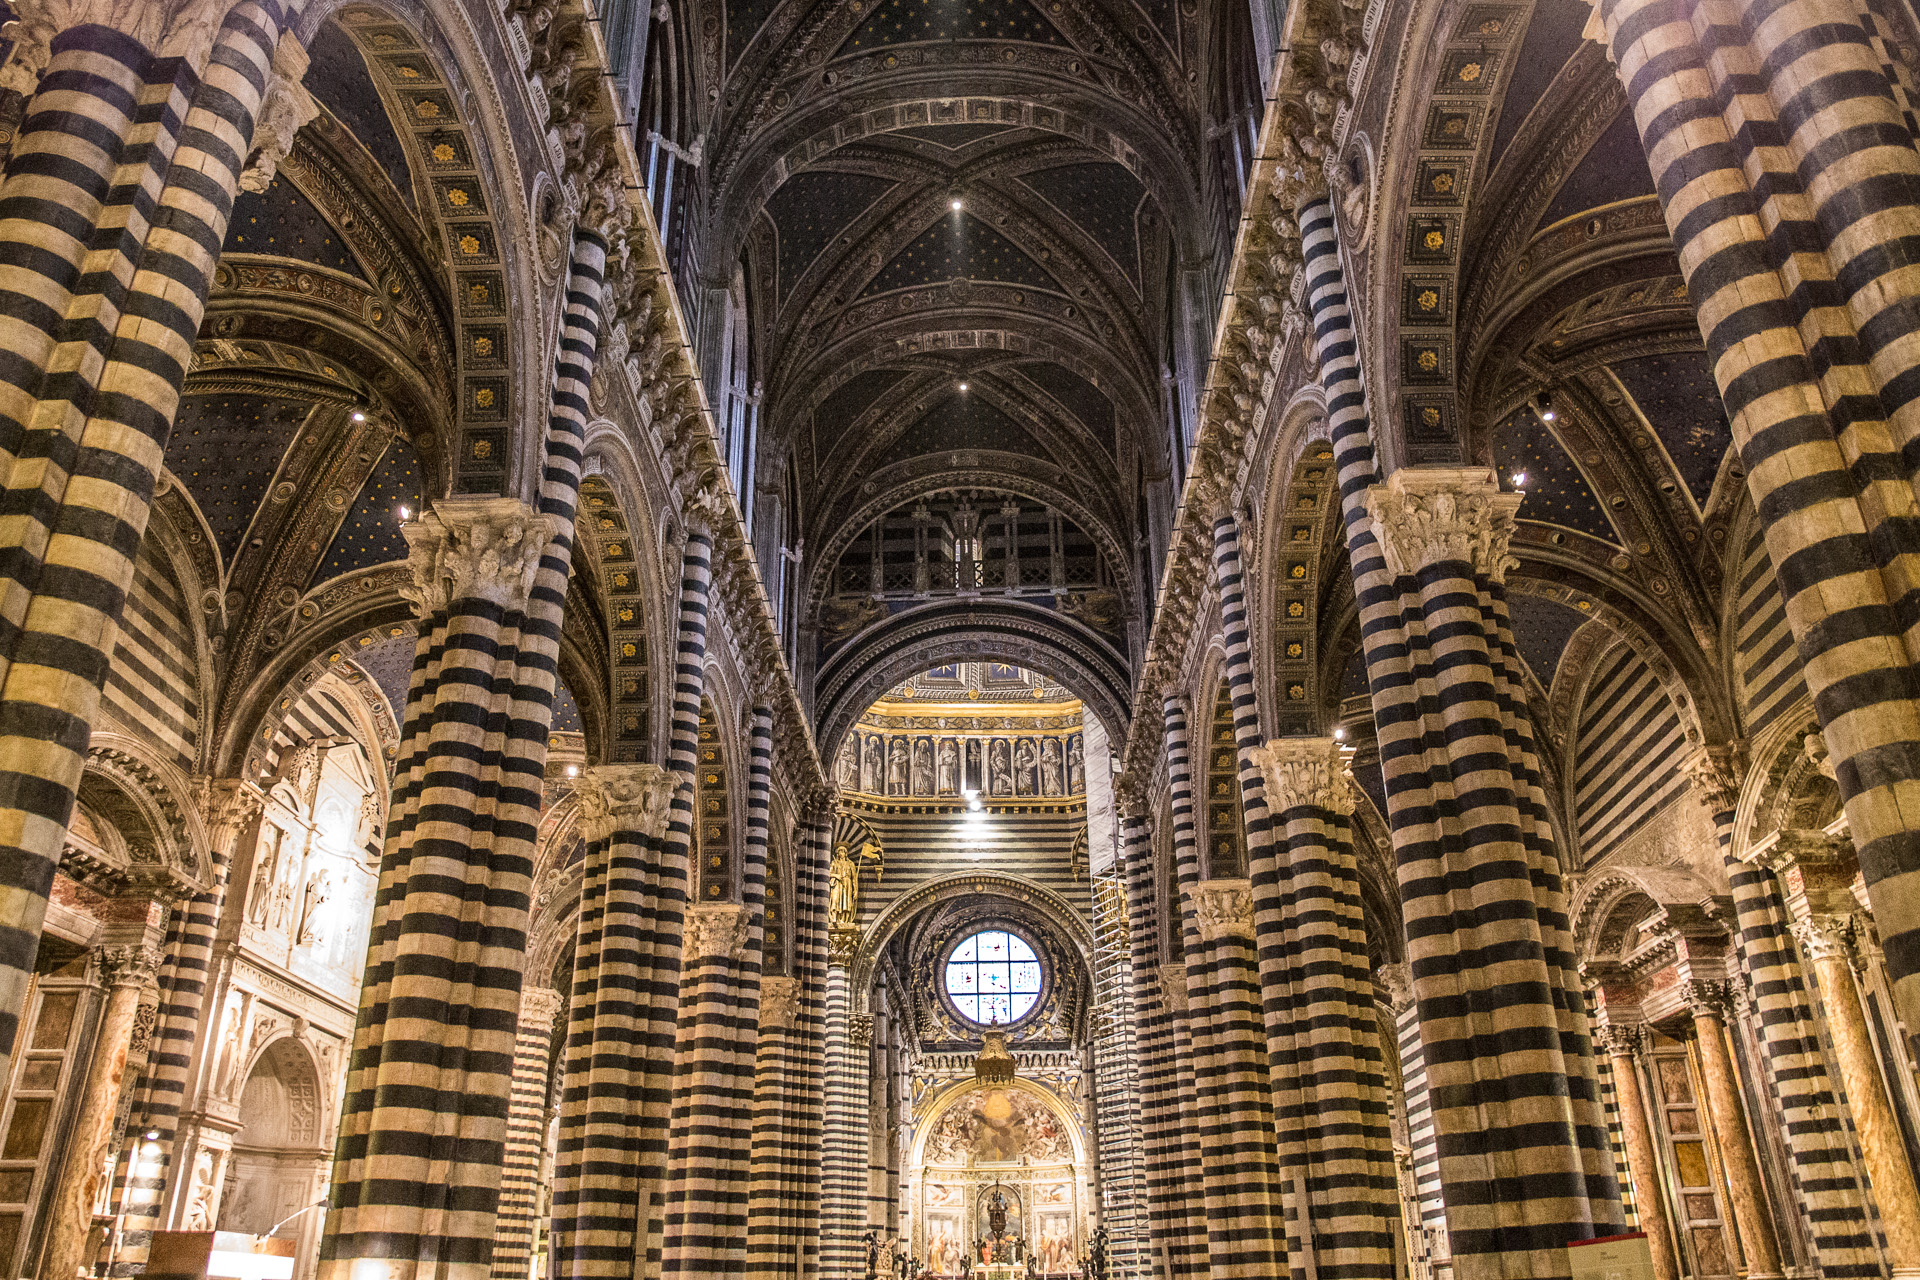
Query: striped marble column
<point>424,1121</point>
<point>1524,1160</point>
<point>707,1154</point>
<point>1167,1201</point>
<point>1330,1086</point>
<point>616,1086</point>
<point>845,1140</point>
<point>777,1155</point>
<point>1240,1177</point>
<point>1790,210</point>
<point>1116,1081</point>
<point>810,968</point>
<point>1829,1193</point>
<point>121,181</point>
<point>519,1227</point>
<point>231,810</point>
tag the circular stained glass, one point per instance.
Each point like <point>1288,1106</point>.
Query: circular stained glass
<point>993,976</point>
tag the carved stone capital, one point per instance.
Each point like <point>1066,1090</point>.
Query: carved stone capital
<point>1620,1040</point>
<point>286,107</point>
<point>172,28</point>
<point>1173,988</point>
<point>1708,998</point>
<point>1394,983</point>
<point>625,799</point>
<point>228,804</point>
<point>129,966</point>
<point>1715,775</point>
<point>1827,937</point>
<point>1305,771</point>
<point>487,548</point>
<point>717,929</point>
<point>842,946</point>
<point>779,1002</point>
<point>1430,515</point>
<point>860,1031</point>
<point>1223,909</point>
<point>538,1008</point>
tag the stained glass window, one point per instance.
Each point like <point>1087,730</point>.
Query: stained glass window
<point>993,976</point>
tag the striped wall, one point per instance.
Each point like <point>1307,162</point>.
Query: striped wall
<point>1764,658</point>
<point>1629,748</point>
<point>1429,1232</point>
<point>1037,846</point>
<point>151,683</point>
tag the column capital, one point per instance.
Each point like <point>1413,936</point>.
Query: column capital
<point>1393,983</point>
<point>1827,937</point>
<point>1715,775</point>
<point>463,547</point>
<point>1620,1040</point>
<point>717,929</point>
<point>1429,515</point>
<point>1305,771</point>
<point>779,1002</point>
<point>1223,908</point>
<point>134,965</point>
<point>629,799</point>
<point>183,29</point>
<point>1173,988</point>
<point>539,1006</point>
<point>842,946</point>
<point>228,802</point>
<point>1794,846</point>
<point>1708,998</point>
<point>860,1030</point>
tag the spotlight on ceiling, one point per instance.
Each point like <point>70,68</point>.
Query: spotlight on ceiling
<point>573,771</point>
<point>1339,733</point>
<point>955,204</point>
<point>405,515</point>
<point>358,416</point>
<point>1519,479</point>
<point>963,386</point>
<point>1543,406</point>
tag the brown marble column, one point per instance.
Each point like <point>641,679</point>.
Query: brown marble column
<point>1622,1045</point>
<point>125,971</point>
<point>1709,1001</point>
<point>1828,941</point>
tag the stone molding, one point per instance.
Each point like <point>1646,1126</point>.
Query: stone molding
<point>485,548</point>
<point>625,800</point>
<point>1423,516</point>
<point>1223,909</point>
<point>539,1006</point>
<point>779,1002</point>
<point>717,929</point>
<point>1305,771</point>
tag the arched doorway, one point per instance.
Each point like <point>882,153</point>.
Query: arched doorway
<point>277,1169</point>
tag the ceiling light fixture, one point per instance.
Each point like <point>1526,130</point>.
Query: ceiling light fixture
<point>405,515</point>
<point>963,386</point>
<point>954,204</point>
<point>1543,405</point>
<point>1340,733</point>
<point>358,416</point>
<point>1519,479</point>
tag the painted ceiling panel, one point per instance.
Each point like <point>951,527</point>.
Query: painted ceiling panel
<point>1614,168</point>
<point>1553,37</point>
<point>1104,199</point>
<point>1353,681</point>
<point>954,136</point>
<point>1541,629</point>
<point>1680,399</point>
<point>283,222</point>
<point>744,20</point>
<point>566,708</point>
<point>1557,492</point>
<point>225,449</point>
<point>963,421</point>
<point>810,209</point>
<point>338,78</point>
<point>370,535</point>
<point>906,21</point>
<point>960,245</point>
<point>389,664</point>
<point>1080,396</point>
<point>855,396</point>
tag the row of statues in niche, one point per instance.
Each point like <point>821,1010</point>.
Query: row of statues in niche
<point>890,765</point>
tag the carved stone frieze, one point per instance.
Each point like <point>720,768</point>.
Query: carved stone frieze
<point>1424,516</point>
<point>1223,909</point>
<point>463,547</point>
<point>1305,771</point>
<point>625,800</point>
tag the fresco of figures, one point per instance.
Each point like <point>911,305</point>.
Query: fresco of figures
<point>1014,766</point>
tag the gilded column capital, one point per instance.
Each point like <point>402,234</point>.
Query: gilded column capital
<point>539,1006</point>
<point>1223,909</point>
<point>625,799</point>
<point>1305,771</point>
<point>717,929</point>
<point>1429,515</point>
<point>488,548</point>
<point>1620,1040</point>
<point>779,1002</point>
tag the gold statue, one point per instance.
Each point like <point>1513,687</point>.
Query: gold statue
<point>843,883</point>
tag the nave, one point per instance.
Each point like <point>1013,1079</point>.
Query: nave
<point>959,639</point>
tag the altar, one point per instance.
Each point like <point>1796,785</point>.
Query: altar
<point>999,1271</point>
